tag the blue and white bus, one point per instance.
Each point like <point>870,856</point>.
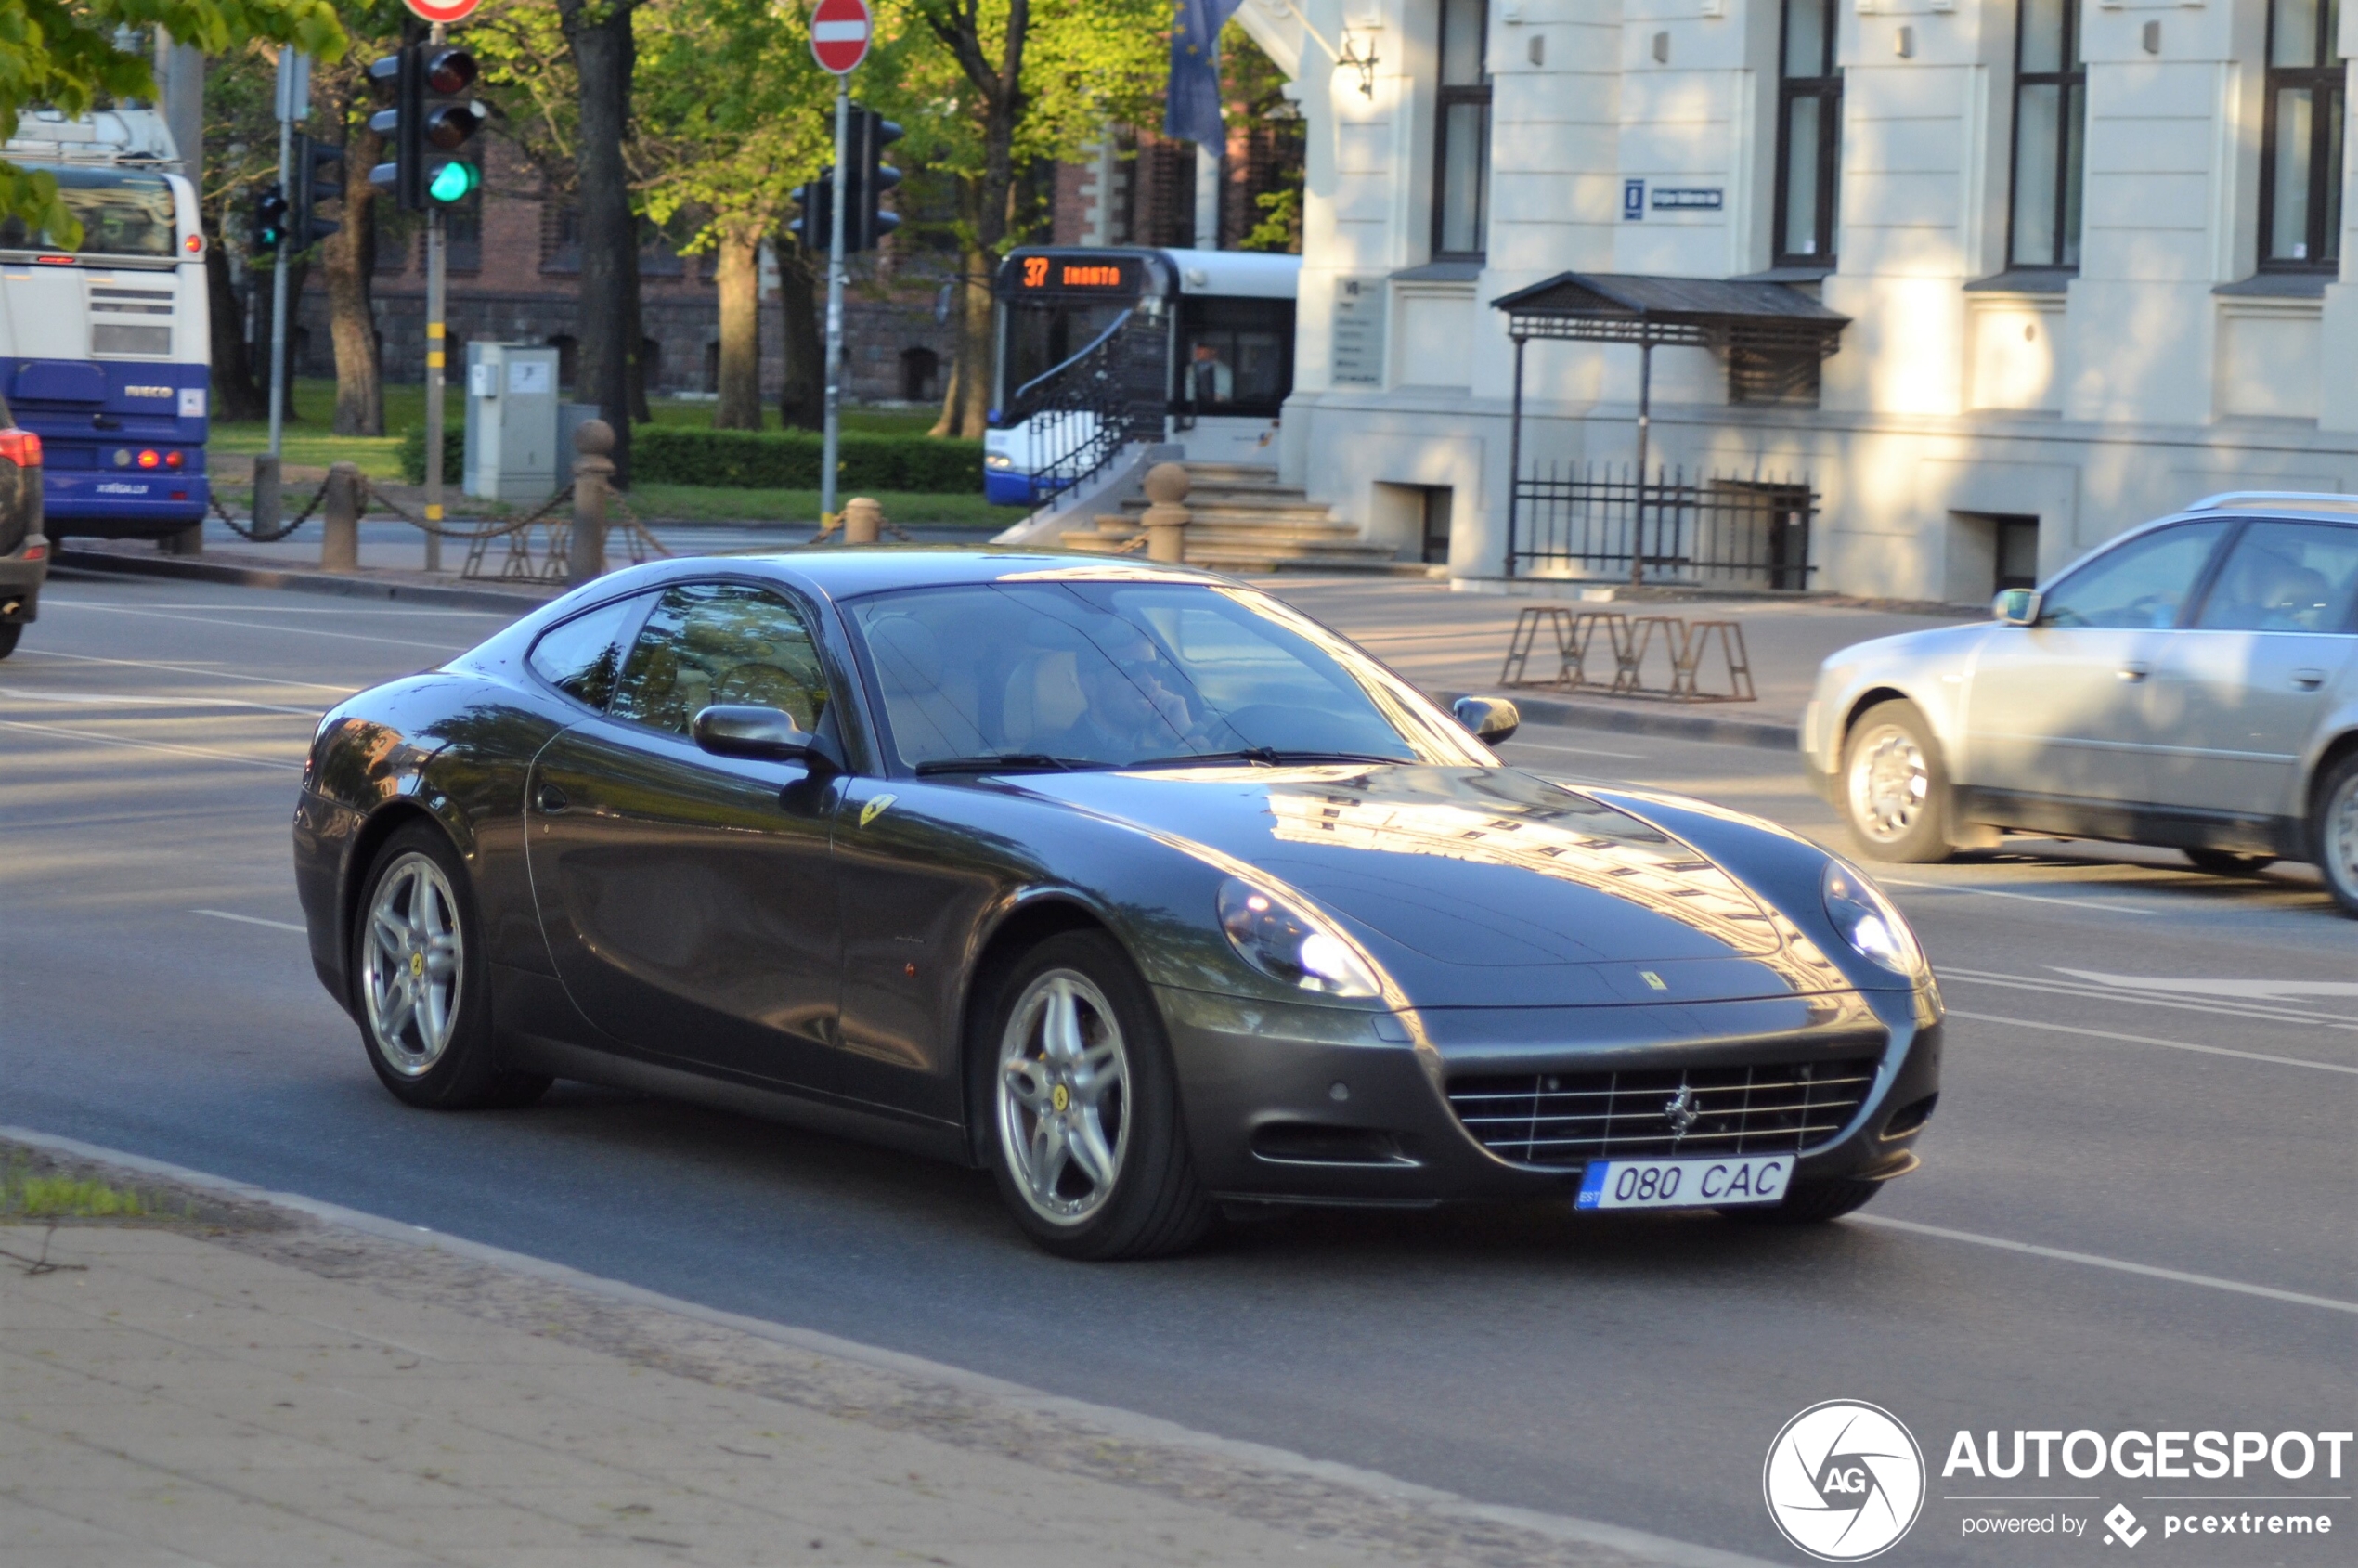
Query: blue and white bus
<point>106,347</point>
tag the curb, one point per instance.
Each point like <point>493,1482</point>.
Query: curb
<point>192,569</point>
<point>1559,713</point>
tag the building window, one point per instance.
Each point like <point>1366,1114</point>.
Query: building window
<point>1461,146</point>
<point>1809,135</point>
<point>2300,140</point>
<point>2051,133</point>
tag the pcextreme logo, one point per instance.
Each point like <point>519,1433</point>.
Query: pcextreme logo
<point>1845,1481</point>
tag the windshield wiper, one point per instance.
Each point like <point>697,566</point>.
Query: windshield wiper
<point>1007,762</point>
<point>1268,756</point>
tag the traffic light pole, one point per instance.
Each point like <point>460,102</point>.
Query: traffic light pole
<point>279,302</point>
<point>437,285</point>
<point>828,443</point>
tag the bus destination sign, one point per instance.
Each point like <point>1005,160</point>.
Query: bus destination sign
<point>1061,273</point>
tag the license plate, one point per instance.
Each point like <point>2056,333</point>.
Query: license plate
<point>1683,1184</point>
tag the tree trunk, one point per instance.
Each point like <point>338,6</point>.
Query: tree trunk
<point>802,401</point>
<point>604,52</point>
<point>234,396</point>
<point>739,282</point>
<point>350,256</point>
<point>640,363</point>
<point>948,424</point>
<point>977,376</point>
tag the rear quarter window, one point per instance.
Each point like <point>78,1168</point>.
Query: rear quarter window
<point>582,656</point>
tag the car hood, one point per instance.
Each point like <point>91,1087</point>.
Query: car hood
<point>1479,886</point>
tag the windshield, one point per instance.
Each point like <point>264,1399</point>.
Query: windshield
<point>123,214</point>
<point>1118,674</point>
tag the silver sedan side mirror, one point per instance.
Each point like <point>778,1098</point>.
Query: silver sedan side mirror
<point>1492,719</point>
<point>768,734</point>
<point>2016,606</point>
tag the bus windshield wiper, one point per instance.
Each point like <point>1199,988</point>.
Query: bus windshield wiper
<point>1268,756</point>
<point>1007,762</point>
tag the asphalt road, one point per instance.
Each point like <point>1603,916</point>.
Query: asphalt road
<point>2152,1080</point>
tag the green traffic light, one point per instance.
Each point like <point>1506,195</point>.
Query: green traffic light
<point>454,182</point>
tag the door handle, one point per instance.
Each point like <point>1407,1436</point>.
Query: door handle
<point>2135,670</point>
<point>2308,679</point>
<point>550,799</point>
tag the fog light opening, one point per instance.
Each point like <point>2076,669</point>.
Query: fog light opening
<point>1908,1118</point>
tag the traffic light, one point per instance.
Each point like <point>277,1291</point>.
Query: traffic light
<point>432,115</point>
<point>268,230</point>
<point>863,221</point>
<point>319,176</point>
<point>815,227</point>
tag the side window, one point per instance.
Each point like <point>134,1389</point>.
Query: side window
<point>720,642</point>
<point>2285,576</point>
<point>581,656</point>
<point>2145,583</point>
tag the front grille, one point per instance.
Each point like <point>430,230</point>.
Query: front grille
<point>1570,1118</point>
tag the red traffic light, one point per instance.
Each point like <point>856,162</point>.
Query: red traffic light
<point>450,72</point>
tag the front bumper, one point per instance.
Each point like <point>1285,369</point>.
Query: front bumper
<point>1307,1104</point>
<point>21,576</point>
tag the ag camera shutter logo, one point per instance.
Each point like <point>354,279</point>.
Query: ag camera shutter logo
<point>1845,1481</point>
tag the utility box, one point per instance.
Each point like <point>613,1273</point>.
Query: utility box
<point>512,422</point>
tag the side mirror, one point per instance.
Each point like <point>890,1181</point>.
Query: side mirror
<point>767,734</point>
<point>1492,719</point>
<point>2016,606</point>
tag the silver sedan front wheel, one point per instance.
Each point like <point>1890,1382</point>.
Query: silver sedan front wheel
<point>2337,834</point>
<point>1889,782</point>
<point>413,965</point>
<point>1064,1096</point>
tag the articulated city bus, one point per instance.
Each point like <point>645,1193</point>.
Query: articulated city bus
<point>106,346</point>
<point>1206,341</point>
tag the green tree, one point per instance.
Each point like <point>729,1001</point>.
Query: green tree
<point>63,53</point>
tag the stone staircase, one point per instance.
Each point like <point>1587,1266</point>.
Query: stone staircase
<point>1245,521</point>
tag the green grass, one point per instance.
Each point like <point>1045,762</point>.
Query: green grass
<point>309,439</point>
<point>28,1197</point>
<point>700,503</point>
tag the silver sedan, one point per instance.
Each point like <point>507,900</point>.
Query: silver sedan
<point>2192,683</point>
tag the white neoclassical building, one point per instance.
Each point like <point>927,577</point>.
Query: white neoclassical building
<point>2096,258</point>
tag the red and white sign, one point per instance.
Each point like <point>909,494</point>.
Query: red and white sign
<point>838,35</point>
<point>442,10</point>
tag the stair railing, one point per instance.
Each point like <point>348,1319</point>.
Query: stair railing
<point>1082,411</point>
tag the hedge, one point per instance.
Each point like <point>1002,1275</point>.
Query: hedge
<point>413,455</point>
<point>745,459</point>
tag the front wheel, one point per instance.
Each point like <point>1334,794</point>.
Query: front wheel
<point>1085,1134</point>
<point>1894,789</point>
<point>2334,828</point>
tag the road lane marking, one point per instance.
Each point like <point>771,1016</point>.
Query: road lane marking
<point>2123,1265</point>
<point>148,745</point>
<point>248,626</point>
<point>117,699</point>
<point>209,672</point>
<point>2004,893</point>
<point>2148,1040</point>
<point>254,920</point>
<point>2099,993</point>
<point>2260,990</point>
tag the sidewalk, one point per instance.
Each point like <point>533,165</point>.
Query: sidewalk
<point>248,1382</point>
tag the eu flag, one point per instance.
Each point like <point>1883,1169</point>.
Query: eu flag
<point>1191,104</point>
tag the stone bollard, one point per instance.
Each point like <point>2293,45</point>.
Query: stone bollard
<point>340,546</point>
<point>591,471</point>
<point>1167,515</point>
<point>269,502</point>
<point>863,520</point>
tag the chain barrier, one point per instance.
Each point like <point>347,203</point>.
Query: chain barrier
<point>832,523</point>
<point>247,531</point>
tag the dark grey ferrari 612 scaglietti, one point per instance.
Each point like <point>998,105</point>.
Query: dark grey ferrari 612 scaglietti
<point>1129,883</point>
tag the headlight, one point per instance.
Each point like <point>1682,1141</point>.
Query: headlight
<point>1869,921</point>
<point>1291,947</point>
<point>995,460</point>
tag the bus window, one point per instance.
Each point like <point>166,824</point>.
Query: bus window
<point>1043,334</point>
<point>1235,355</point>
<point>123,214</point>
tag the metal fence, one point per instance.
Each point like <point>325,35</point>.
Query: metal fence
<point>1716,530</point>
<point>1085,410</point>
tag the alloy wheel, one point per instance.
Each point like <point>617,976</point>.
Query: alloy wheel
<point>1064,1096</point>
<point>413,965</point>
<point>1889,782</point>
<point>2342,833</point>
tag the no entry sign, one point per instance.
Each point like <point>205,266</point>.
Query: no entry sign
<point>444,11</point>
<point>838,35</point>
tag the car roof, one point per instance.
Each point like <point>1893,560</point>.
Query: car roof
<point>2318,505</point>
<point>849,572</point>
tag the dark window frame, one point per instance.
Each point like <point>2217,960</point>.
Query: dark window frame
<point>2071,145</point>
<point>1826,89</point>
<point>1447,97</point>
<point>2327,80</point>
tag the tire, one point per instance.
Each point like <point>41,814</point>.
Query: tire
<point>1045,1096</point>
<point>2332,831</point>
<point>1895,787</point>
<point>1810,1203</point>
<point>2225,862</point>
<point>421,981</point>
<point>8,635</point>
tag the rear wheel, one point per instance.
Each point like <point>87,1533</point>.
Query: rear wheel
<point>2333,826</point>
<point>2225,862</point>
<point>422,982</point>
<point>8,635</point>
<point>1895,790</point>
<point>1810,1203</point>
<point>1084,1132</point>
